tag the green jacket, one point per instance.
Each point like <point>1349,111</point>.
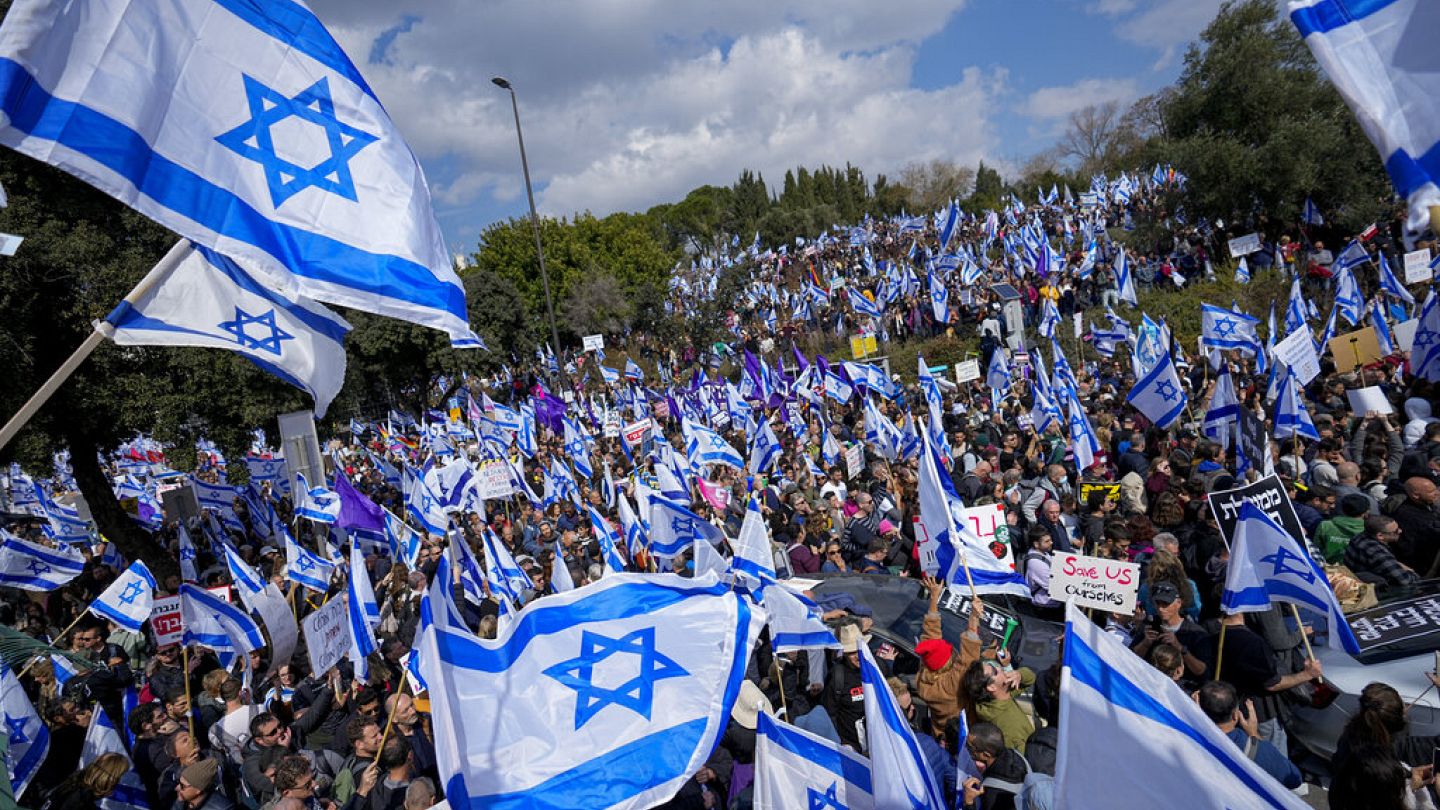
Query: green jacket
<point>1013,721</point>
<point>1333,535</point>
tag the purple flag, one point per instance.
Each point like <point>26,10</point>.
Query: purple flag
<point>356,510</point>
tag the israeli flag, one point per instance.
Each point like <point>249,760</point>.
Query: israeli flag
<point>881,433</point>
<point>1390,284</point>
<point>33,567</point>
<point>305,566</point>
<point>1125,280</point>
<point>1268,565</point>
<point>998,377</point>
<point>129,599</point>
<point>1348,299</point>
<point>1049,318</point>
<point>102,738</point>
<point>1159,394</point>
<point>1085,444</point>
<point>316,503</point>
<point>1310,214</point>
<point>753,558</point>
<point>422,504</point>
<point>29,737</point>
<point>1425,351</point>
<point>609,542</point>
<point>634,676</point>
<point>862,304</point>
<point>1222,328</point>
<point>1242,272</point>
<point>363,612</point>
<point>674,528</point>
<point>795,621</point>
<point>220,497</point>
<point>794,768</point>
<point>633,371</point>
<point>212,622</point>
<point>764,450</point>
<point>900,775</point>
<point>1223,414</point>
<point>1149,726</point>
<point>704,446</point>
<point>952,216</point>
<point>272,471</point>
<point>1291,417</point>
<point>188,554</point>
<point>636,536</point>
<point>1376,54</point>
<point>503,572</point>
<point>245,128</point>
<point>939,299</point>
<point>954,544</point>
<point>1382,329</point>
<point>248,583</point>
<point>208,300</point>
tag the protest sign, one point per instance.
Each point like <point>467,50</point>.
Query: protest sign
<point>967,370</point>
<point>327,635</point>
<point>1355,349</point>
<point>1244,245</point>
<point>1365,400</point>
<point>612,425</point>
<point>1417,266</point>
<point>1254,439</point>
<point>1094,582</point>
<point>280,627</point>
<point>165,622</point>
<point>1111,491</point>
<point>854,460</point>
<point>1404,334</point>
<point>1397,622</point>
<point>593,343</point>
<point>996,627</point>
<point>862,345</point>
<point>1268,494</point>
<point>989,524</point>
<point>1297,351</point>
<point>637,432</point>
<point>493,480</point>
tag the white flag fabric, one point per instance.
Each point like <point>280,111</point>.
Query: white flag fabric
<point>210,301</point>
<point>900,776</point>
<point>753,558</point>
<point>305,566</point>
<point>608,696</point>
<point>129,599</point>
<point>242,126</point>
<point>1378,53</point>
<point>423,504</point>
<point>188,554</point>
<point>102,738</point>
<point>33,567</point>
<point>29,736</point>
<point>1119,715</point>
<point>1268,565</point>
<point>955,544</point>
<point>1159,394</point>
<point>705,446</point>
<point>673,528</point>
<point>316,503</point>
<point>248,582</point>
<point>212,622</point>
<point>363,613</point>
<point>795,621</point>
<point>797,769</point>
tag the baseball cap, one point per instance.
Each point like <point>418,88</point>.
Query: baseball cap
<point>1164,593</point>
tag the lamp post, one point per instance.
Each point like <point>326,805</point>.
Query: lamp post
<point>504,84</point>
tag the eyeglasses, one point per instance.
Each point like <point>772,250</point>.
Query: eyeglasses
<point>271,733</point>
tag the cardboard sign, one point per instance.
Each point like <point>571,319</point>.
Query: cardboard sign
<point>967,370</point>
<point>493,479</point>
<point>1355,349</point>
<point>988,523</point>
<point>593,343</point>
<point>1111,491</point>
<point>1268,494</point>
<point>1417,266</point>
<point>1244,245</point>
<point>327,635</point>
<point>637,432</point>
<point>1094,582</point>
<point>1297,351</point>
<point>165,622</point>
<point>862,345</point>
<point>854,460</point>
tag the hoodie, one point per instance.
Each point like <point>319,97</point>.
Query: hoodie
<point>1417,411</point>
<point>1333,535</point>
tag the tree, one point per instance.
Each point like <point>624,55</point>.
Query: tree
<point>1257,127</point>
<point>1092,136</point>
<point>932,185</point>
<point>598,305</point>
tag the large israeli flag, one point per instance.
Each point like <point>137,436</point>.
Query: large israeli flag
<point>607,696</point>
<point>33,567</point>
<point>305,566</point>
<point>316,503</point>
<point>900,775</point>
<point>423,504</point>
<point>242,126</point>
<point>129,599</point>
<point>794,769</point>
<point>363,613</point>
<point>208,300</point>
<point>1268,565</point>
<point>29,737</point>
<point>955,545</point>
<point>1159,394</point>
<point>1148,726</point>
<point>103,738</point>
<point>1379,55</point>
<point>704,446</point>
<point>212,622</point>
<point>674,528</point>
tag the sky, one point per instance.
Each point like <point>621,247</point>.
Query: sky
<point>627,104</point>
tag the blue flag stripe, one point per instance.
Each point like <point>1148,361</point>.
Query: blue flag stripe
<point>1327,15</point>
<point>831,760</point>
<point>295,25</point>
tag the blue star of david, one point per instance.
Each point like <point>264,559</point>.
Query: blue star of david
<point>187,553</point>
<point>1224,327</point>
<point>37,568</point>
<point>253,140</point>
<point>1280,565</point>
<point>323,501</point>
<point>1422,338</point>
<point>681,526</point>
<point>245,340</point>
<point>829,800</point>
<point>17,730</point>
<point>1166,390</point>
<point>132,592</point>
<point>636,694</point>
<point>717,442</point>
<point>305,563</point>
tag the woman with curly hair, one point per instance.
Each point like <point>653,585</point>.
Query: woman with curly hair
<point>1166,567</point>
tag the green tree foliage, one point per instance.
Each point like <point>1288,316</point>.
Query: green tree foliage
<point>1257,127</point>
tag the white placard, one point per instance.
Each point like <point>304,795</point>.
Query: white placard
<point>1244,245</point>
<point>1297,351</point>
<point>1365,400</point>
<point>854,460</point>
<point>1404,334</point>
<point>1078,324</point>
<point>493,480</point>
<point>635,432</point>
<point>593,343</point>
<point>967,370</point>
<point>1417,266</point>
<point>612,425</point>
<point>327,635</point>
<point>165,621</point>
<point>1094,582</point>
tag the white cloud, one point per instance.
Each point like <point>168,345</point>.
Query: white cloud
<point>1167,26</point>
<point>630,103</point>
<point>1056,103</point>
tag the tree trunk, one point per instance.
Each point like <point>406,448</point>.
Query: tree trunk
<point>112,519</point>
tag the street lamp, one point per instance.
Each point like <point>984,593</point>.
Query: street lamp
<point>504,84</point>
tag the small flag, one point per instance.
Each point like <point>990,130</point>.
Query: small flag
<point>129,599</point>
<point>33,567</point>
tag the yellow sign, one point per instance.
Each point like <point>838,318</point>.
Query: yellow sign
<point>455,414</point>
<point>861,346</point>
<point>1111,491</point>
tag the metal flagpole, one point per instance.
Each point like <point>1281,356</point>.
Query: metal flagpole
<point>102,330</point>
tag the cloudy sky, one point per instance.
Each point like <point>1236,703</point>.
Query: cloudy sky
<point>630,103</point>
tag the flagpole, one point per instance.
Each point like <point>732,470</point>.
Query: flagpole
<point>1295,611</point>
<point>185,670</point>
<point>54,641</point>
<point>103,330</point>
<point>1220,650</point>
<point>780,683</point>
<point>404,682</point>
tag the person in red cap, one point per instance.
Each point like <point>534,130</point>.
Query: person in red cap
<point>939,681</point>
